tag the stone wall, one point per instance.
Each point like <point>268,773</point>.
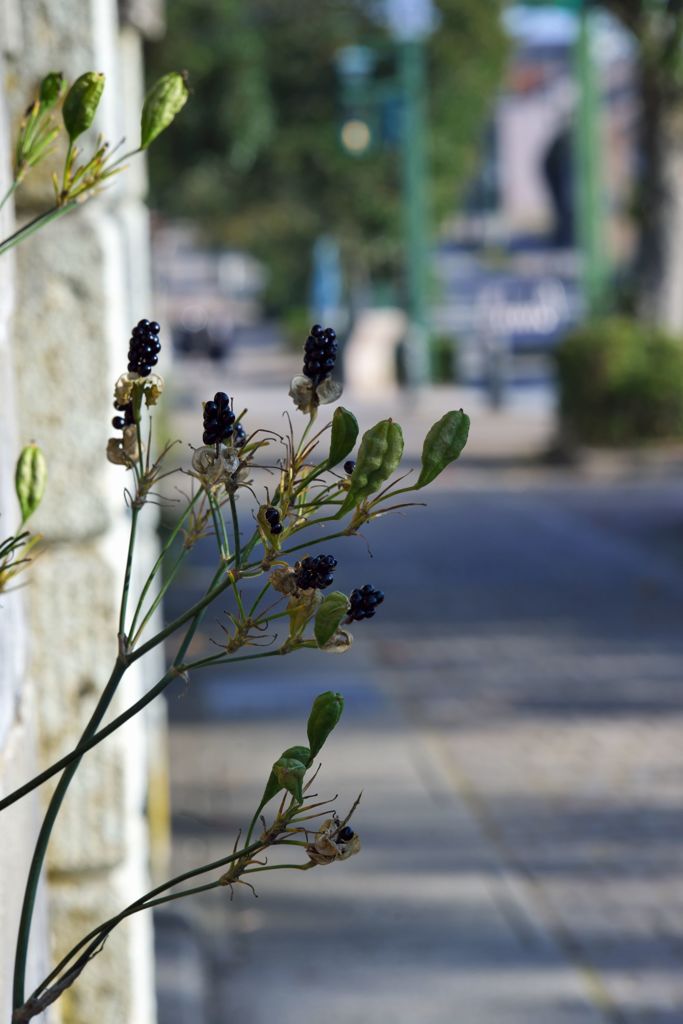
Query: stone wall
<point>76,288</point>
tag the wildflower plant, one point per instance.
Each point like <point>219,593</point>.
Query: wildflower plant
<point>298,492</point>
<point>40,132</point>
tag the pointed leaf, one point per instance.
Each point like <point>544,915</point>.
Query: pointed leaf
<point>344,436</point>
<point>378,456</point>
<point>329,616</point>
<point>443,444</point>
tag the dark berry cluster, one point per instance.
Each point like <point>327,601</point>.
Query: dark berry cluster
<point>364,601</point>
<point>119,422</point>
<point>349,467</point>
<point>273,519</point>
<point>320,353</point>
<point>315,573</point>
<point>218,419</point>
<point>239,437</point>
<point>144,348</point>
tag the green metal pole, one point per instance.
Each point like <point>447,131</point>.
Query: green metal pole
<point>413,84</point>
<point>588,179</point>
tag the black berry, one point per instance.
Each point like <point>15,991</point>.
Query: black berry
<point>273,519</point>
<point>345,834</point>
<point>364,602</point>
<point>239,436</point>
<point>315,573</point>
<point>144,347</point>
<point>320,353</point>
<point>118,423</point>
<point>218,419</point>
<point>349,467</point>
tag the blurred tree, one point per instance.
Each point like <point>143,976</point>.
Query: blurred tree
<point>256,157</point>
<point>657,27</point>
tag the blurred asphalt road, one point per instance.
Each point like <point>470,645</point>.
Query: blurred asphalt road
<point>514,719</point>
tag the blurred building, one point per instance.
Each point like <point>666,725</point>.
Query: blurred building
<point>510,262</point>
<point>205,295</point>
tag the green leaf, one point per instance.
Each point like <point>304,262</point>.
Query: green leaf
<point>329,616</point>
<point>344,436</point>
<point>378,456</point>
<point>443,444</point>
<point>325,713</point>
<point>81,103</point>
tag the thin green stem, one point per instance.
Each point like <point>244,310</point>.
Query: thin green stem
<point>187,615</point>
<point>219,527</point>
<point>279,867</point>
<point>330,536</point>
<point>259,597</point>
<point>149,900</point>
<point>129,568</point>
<point>9,193</point>
<point>235,531</point>
<point>171,575</point>
<point>157,565</point>
<point>46,830</point>
<point>85,745</point>
<point>39,222</point>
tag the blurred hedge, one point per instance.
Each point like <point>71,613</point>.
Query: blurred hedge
<point>620,382</point>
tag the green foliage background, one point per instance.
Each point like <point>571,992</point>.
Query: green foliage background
<point>620,382</point>
<point>255,156</point>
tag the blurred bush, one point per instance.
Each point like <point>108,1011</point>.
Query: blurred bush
<point>620,382</point>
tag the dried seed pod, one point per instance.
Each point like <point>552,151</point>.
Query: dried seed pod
<point>333,842</point>
<point>81,103</point>
<point>30,479</point>
<point>163,101</point>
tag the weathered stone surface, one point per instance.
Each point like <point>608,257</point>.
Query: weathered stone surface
<point>108,983</point>
<point>81,282</point>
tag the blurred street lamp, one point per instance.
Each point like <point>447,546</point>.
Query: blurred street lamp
<point>411,22</point>
<point>355,65</point>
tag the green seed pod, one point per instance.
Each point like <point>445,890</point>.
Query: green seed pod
<point>325,713</point>
<point>51,89</point>
<point>290,774</point>
<point>30,480</point>
<point>163,101</point>
<point>81,103</point>
<point>273,785</point>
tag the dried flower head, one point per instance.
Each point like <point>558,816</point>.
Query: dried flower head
<point>334,840</point>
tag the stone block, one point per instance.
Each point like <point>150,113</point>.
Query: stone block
<point>115,986</point>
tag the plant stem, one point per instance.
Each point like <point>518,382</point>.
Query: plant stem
<point>191,612</point>
<point>92,741</point>
<point>28,229</point>
<point>129,568</point>
<point>149,900</point>
<point>46,830</point>
<point>10,192</point>
<point>157,565</point>
<point>236,531</point>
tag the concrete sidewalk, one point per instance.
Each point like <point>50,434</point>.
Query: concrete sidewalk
<point>513,717</point>
<point>425,925</point>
